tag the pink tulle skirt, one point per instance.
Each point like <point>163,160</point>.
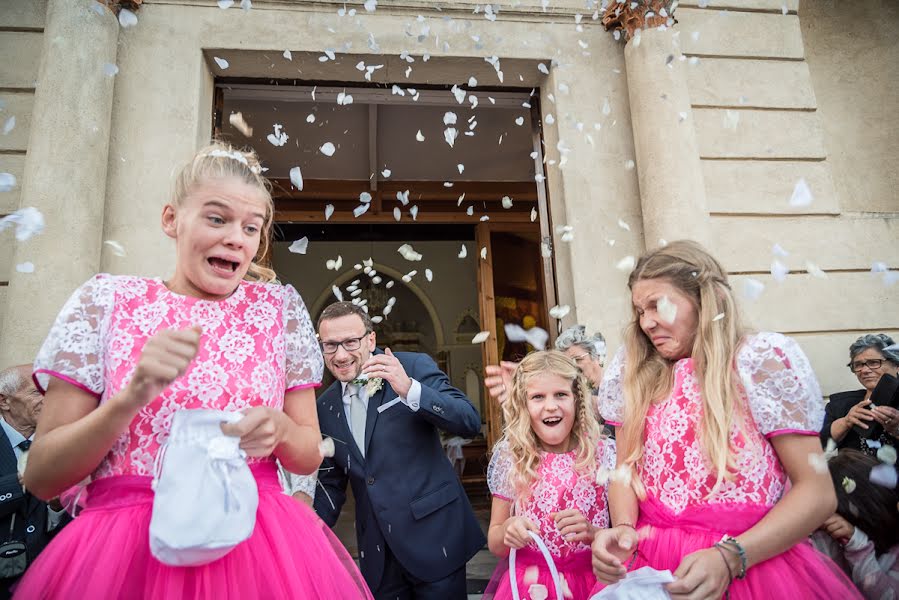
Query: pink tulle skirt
<point>800,573</point>
<point>105,553</point>
<point>575,570</point>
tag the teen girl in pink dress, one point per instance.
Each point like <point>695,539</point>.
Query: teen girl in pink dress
<point>126,353</point>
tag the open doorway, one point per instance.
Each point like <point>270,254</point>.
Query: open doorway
<point>456,174</point>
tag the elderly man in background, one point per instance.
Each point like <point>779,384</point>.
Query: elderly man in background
<point>26,523</point>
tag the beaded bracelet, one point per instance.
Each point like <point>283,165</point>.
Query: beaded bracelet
<point>730,572</point>
<point>732,545</point>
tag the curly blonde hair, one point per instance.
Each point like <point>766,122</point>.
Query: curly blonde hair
<point>523,443</point>
<point>649,377</point>
<point>220,159</point>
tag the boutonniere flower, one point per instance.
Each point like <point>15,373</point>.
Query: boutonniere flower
<point>372,384</point>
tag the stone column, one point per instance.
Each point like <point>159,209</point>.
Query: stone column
<point>65,172</point>
<point>672,193</point>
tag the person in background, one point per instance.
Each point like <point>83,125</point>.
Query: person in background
<point>23,517</point>
<point>589,353</point>
<point>870,357</point>
<point>862,536</point>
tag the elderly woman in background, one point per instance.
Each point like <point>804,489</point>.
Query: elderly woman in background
<point>870,357</point>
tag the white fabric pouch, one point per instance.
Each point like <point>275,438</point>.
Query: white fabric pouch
<point>205,495</point>
<point>645,583</point>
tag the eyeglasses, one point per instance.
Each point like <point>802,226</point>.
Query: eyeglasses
<point>349,344</point>
<point>580,357</point>
<point>872,364</point>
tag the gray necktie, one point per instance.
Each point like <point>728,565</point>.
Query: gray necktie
<point>357,416</point>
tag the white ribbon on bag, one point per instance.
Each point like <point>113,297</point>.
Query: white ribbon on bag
<point>557,582</point>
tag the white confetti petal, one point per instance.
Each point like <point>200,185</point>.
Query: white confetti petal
<point>884,475</point>
<point>278,138</point>
<point>879,267</point>
<point>459,94</point>
<point>779,270</point>
<point>624,225</point>
<point>221,62</point>
<point>310,118</point>
<point>329,210</point>
<point>533,215</point>
<point>463,252</point>
<point>127,18</point>
<point>449,135</point>
<point>225,4</point>
<point>403,197</point>
<point>414,212</point>
<point>407,252</point>
<point>110,70</point>
<point>299,246</point>
<point>538,591</point>
<point>429,275</point>
<point>449,118</point>
<point>386,173</point>
<point>667,310</point>
<point>296,178</point>
<point>334,264</point>
<point>718,317</point>
<point>507,202</point>
<point>288,55</point>
<point>364,197</point>
<point>9,124</point>
<point>530,575</point>
<point>887,454</point>
<point>542,68</point>
<point>25,267</point>
<point>326,447</point>
<point>481,337</point>
<point>7,182</point>
<point>778,250</point>
<point>370,5</point>
<point>29,221</point>
<point>419,136</point>
<point>115,247</point>
<point>814,270</point>
<point>397,214</point>
<point>848,485</point>
<point>360,210</point>
<point>559,311</point>
<point>328,149</point>
<point>818,462</point>
<point>237,121</point>
<point>519,121</point>
<point>535,336</point>
<point>753,288</point>
<point>484,253</point>
<point>461,168</point>
<point>629,165</point>
<point>626,264</point>
<point>802,195</point>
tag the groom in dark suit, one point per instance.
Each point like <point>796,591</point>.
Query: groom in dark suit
<point>414,524</point>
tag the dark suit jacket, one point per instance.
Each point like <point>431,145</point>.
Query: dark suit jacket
<point>30,526</point>
<point>407,495</point>
<point>837,408</point>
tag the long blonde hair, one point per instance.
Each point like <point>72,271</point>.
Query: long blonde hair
<point>220,159</point>
<point>523,442</point>
<point>649,377</point>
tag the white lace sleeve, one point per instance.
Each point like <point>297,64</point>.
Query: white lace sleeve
<point>783,393</point>
<point>606,454</point>
<point>304,357</point>
<point>292,483</point>
<point>75,346</point>
<point>499,472</point>
<point>611,391</point>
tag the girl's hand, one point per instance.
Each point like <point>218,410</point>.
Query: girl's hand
<point>838,528</point>
<point>164,358</point>
<point>860,415</point>
<point>499,380</point>
<point>611,548</point>
<point>703,575</point>
<point>574,526</point>
<point>260,431</point>
<point>516,532</point>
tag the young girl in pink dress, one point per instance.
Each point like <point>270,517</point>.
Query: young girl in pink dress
<point>126,353</point>
<point>543,477</point>
<point>715,422</point>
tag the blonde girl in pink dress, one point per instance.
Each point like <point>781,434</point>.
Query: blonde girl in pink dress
<point>543,478</point>
<point>715,423</point>
<point>126,353</point>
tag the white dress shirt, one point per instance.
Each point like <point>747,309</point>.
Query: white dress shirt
<point>15,438</point>
<point>412,399</point>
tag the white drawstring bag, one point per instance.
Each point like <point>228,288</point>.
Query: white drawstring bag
<point>645,583</point>
<point>205,495</point>
<point>557,583</point>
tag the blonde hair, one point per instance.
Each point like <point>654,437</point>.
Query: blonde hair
<point>649,377</point>
<point>523,442</point>
<point>220,159</point>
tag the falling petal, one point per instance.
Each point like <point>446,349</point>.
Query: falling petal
<point>731,119</point>
<point>533,215</point>
<point>7,182</point>
<point>626,264</point>
<point>449,135</point>
<point>414,212</point>
<point>299,246</point>
<point>9,125</point>
<point>335,264</point>
<point>802,195</point>
<point>449,118</point>
<point>407,252</point>
<point>530,575</point>
<point>360,210</point>
<point>329,210</point>
<point>629,165</point>
<point>116,247</point>
<point>624,225</point>
<point>667,310</point>
<point>429,275</point>
<point>25,267</point>
<point>542,68</point>
<point>819,463</point>
<point>29,221</point>
<point>461,168</point>
<point>778,250</point>
<point>278,138</point>
<point>221,62</point>
<point>779,270</point>
<point>538,591</point>
<point>484,253</point>
<point>848,485</point>
<point>753,288</point>
<point>535,336</point>
<point>327,149</point>
<point>815,270</point>
<point>507,202</point>
<point>237,121</point>
<point>879,267</point>
<point>463,252</point>
<point>288,55</point>
<point>419,137</point>
<point>326,447</point>
<point>887,454</point>
<point>364,197</point>
<point>718,317</point>
<point>519,121</point>
<point>403,197</point>
<point>884,475</point>
<point>386,173</point>
<point>469,211</point>
<point>127,18</point>
<point>370,5</point>
<point>559,311</point>
<point>310,118</point>
<point>224,4</point>
<point>459,94</point>
<point>337,293</point>
<point>296,178</point>
<point>110,70</point>
<point>480,338</point>
<point>397,215</point>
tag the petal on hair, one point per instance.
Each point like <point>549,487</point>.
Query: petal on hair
<point>480,338</point>
<point>718,317</point>
<point>848,485</point>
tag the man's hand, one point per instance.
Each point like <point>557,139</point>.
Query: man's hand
<point>388,367</point>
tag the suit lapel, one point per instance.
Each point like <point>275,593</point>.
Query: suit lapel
<point>371,417</point>
<point>8,462</point>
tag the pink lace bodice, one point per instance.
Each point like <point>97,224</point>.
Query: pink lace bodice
<point>256,344</point>
<point>781,396</point>
<point>558,487</point>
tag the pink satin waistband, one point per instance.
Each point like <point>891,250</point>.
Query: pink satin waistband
<point>709,518</point>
